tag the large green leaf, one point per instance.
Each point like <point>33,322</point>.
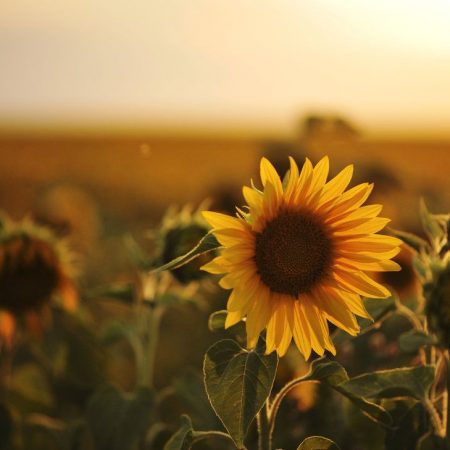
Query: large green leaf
<point>182,438</point>
<point>409,381</point>
<point>335,376</point>
<point>330,372</point>
<point>238,383</point>
<point>317,443</point>
<point>118,422</point>
<point>207,244</point>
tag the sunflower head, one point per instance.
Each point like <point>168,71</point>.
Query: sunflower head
<point>296,257</point>
<point>34,266</point>
<point>180,232</point>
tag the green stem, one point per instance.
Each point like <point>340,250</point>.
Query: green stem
<point>275,405</point>
<point>150,338</point>
<point>264,433</point>
<point>434,417</point>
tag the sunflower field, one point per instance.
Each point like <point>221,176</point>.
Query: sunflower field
<point>303,304</point>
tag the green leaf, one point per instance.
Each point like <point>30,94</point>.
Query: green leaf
<point>317,443</point>
<point>207,244</point>
<point>410,239</point>
<point>182,439</point>
<point>238,383</point>
<point>335,376</point>
<point>118,422</point>
<point>330,372</point>
<point>409,381</point>
<point>413,340</point>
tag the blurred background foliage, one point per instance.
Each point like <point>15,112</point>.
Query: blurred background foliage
<point>78,381</point>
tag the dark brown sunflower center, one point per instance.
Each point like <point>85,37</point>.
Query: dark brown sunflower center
<point>28,274</point>
<point>293,253</point>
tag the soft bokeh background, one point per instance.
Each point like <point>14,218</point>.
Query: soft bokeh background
<point>110,111</point>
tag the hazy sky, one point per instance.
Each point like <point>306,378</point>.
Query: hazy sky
<point>226,63</point>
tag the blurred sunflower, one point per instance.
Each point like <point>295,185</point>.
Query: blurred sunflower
<point>297,257</point>
<point>180,231</point>
<point>35,268</point>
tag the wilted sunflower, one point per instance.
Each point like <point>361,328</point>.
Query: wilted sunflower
<point>298,257</point>
<point>34,268</point>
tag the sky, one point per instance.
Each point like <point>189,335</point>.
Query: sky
<point>226,63</point>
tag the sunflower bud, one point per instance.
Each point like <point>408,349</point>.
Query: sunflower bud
<point>180,232</point>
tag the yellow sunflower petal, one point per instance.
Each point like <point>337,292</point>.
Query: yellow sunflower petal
<point>258,316</point>
<point>242,298</point>
<point>352,301</point>
<point>233,236</point>
<point>219,220</point>
<point>214,267</point>
<point>270,175</point>
<point>348,201</point>
<point>361,226</point>
<point>367,257</point>
<point>271,202</point>
<point>237,277</point>
<point>337,185</point>
<point>378,266</point>
<point>336,314</point>
<point>360,283</point>
<point>303,183</point>
<point>320,174</point>
<point>278,334</point>
<point>364,212</point>
<point>254,199</point>
<point>238,253</point>
<point>233,318</point>
<point>318,328</point>
<point>372,243</point>
<point>300,332</point>
<point>293,178</point>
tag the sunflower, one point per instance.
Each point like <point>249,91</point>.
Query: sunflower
<point>35,268</point>
<point>180,230</point>
<point>297,257</point>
